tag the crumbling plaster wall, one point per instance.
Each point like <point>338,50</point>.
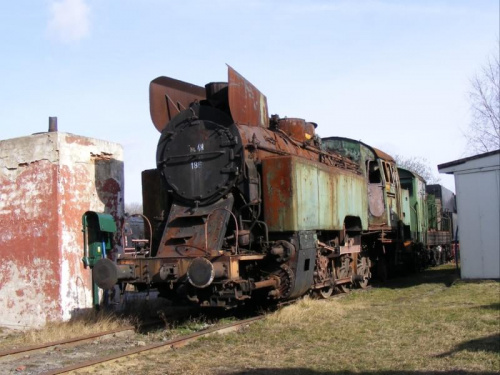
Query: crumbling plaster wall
<point>47,182</point>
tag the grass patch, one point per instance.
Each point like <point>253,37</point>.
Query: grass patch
<point>178,321</point>
<point>88,323</point>
<point>424,324</point>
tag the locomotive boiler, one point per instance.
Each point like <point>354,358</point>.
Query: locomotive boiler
<point>255,207</point>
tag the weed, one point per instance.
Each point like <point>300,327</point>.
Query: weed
<point>420,325</point>
<point>84,324</point>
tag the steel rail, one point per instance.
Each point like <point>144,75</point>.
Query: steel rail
<point>174,343</point>
<point>65,342</point>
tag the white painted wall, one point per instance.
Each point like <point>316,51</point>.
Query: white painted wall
<point>47,182</point>
<point>477,185</point>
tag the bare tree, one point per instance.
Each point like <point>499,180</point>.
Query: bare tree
<point>133,208</point>
<point>483,133</point>
<point>419,166</point>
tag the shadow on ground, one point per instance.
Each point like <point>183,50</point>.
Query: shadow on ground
<point>445,275</point>
<point>492,306</point>
<point>484,344</point>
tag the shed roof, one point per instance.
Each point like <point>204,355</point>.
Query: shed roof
<point>451,166</point>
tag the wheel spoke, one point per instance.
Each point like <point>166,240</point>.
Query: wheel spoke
<point>363,270</point>
<point>343,271</point>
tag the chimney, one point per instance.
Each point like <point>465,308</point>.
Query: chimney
<point>52,124</point>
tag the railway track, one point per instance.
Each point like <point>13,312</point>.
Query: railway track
<point>48,356</point>
<point>170,344</point>
<point>66,343</point>
<point>118,343</point>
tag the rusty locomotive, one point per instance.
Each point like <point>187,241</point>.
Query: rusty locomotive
<point>254,206</point>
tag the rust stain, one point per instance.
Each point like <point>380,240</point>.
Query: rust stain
<point>111,186</point>
<point>247,104</point>
<point>101,156</point>
<point>75,199</point>
<point>168,96</point>
<point>82,141</point>
<point>41,203</point>
<point>278,191</point>
<point>109,192</point>
<point>27,213</point>
<point>297,128</point>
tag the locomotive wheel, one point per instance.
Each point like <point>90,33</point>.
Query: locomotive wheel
<point>325,292</point>
<point>286,277</point>
<point>324,273</point>
<point>363,269</point>
<point>343,271</point>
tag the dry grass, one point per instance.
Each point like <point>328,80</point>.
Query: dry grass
<point>85,324</point>
<point>410,326</point>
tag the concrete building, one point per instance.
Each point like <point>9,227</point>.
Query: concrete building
<point>47,182</point>
<point>477,185</point>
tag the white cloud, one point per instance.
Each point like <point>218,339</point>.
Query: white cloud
<point>69,20</point>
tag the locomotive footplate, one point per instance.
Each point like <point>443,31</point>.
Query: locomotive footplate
<point>200,272</point>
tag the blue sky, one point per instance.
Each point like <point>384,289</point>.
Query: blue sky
<point>394,74</point>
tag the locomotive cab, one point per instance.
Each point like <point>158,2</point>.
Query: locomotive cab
<point>382,180</point>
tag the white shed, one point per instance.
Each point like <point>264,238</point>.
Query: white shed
<point>477,185</point>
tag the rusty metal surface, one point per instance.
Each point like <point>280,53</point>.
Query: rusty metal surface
<point>297,128</point>
<point>155,204</point>
<point>168,96</point>
<point>384,199</point>
<point>261,144</point>
<point>194,232</point>
<point>292,137</point>
<point>153,201</point>
<point>376,200</point>
<point>199,155</point>
<point>248,105</point>
<point>382,155</point>
<point>392,192</point>
<point>304,195</point>
<point>304,190</point>
<point>346,146</point>
<point>167,269</point>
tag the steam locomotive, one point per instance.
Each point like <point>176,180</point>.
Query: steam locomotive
<point>250,206</point>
